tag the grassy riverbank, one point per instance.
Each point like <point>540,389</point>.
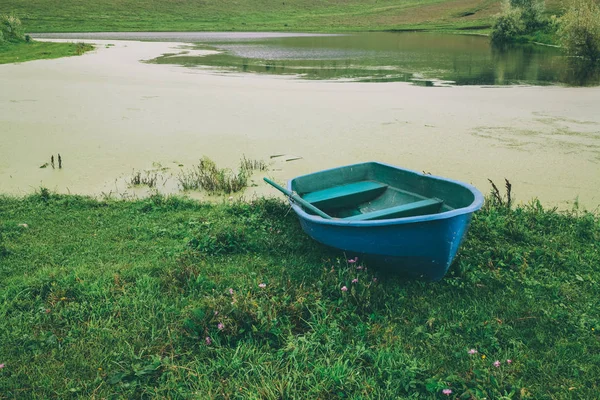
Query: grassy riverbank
<point>254,15</point>
<point>106,299</point>
<point>27,51</point>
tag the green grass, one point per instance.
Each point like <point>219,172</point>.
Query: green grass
<point>27,51</point>
<point>249,15</point>
<point>114,299</point>
<point>256,15</point>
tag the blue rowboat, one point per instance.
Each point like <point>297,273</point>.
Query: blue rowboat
<point>404,220</point>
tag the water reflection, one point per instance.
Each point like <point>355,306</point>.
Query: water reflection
<point>377,57</point>
<point>423,58</point>
<point>581,73</point>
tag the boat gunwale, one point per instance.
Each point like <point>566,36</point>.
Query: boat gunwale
<point>475,205</point>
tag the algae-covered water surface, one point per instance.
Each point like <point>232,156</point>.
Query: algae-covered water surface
<point>116,117</point>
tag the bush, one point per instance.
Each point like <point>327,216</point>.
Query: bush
<point>531,13</point>
<point>11,29</point>
<point>508,25</point>
<point>518,17</point>
<point>579,30</point>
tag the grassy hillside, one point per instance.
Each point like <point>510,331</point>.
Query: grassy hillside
<point>169,298</point>
<point>247,15</point>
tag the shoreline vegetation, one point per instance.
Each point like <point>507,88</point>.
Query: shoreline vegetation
<point>576,31</point>
<point>16,46</point>
<point>175,298</point>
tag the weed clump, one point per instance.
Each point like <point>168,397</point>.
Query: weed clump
<point>252,165</point>
<point>148,178</point>
<point>81,48</point>
<point>207,176</point>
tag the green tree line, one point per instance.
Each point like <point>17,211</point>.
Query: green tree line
<point>577,30</point>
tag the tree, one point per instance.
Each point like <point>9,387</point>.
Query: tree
<point>508,25</point>
<point>579,30</point>
<point>518,17</point>
<point>531,13</point>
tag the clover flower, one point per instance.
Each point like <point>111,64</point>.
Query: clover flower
<point>447,392</point>
<point>496,363</point>
<point>208,341</point>
<point>472,351</point>
<point>262,285</point>
<point>220,326</point>
<point>355,280</point>
<point>344,289</point>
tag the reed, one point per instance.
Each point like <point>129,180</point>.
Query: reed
<point>247,164</point>
<point>207,176</point>
<point>499,199</point>
<point>147,178</point>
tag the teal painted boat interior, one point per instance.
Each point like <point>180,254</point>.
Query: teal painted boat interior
<point>351,191</point>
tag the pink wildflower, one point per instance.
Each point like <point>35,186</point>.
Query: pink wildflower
<point>231,291</point>
<point>208,341</point>
<point>344,289</point>
<point>355,280</point>
<point>220,326</point>
<point>359,267</point>
<point>509,361</point>
<point>353,260</point>
<point>472,351</point>
<point>496,363</point>
<point>1,365</point>
<point>262,285</point>
<point>447,392</point>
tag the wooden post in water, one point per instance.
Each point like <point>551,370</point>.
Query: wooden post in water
<point>52,161</point>
<point>59,161</point>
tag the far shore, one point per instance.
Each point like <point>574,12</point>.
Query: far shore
<point>109,114</point>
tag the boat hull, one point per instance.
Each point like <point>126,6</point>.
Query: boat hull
<point>422,246</point>
<point>423,250</point>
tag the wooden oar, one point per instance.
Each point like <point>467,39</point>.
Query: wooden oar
<point>297,199</point>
